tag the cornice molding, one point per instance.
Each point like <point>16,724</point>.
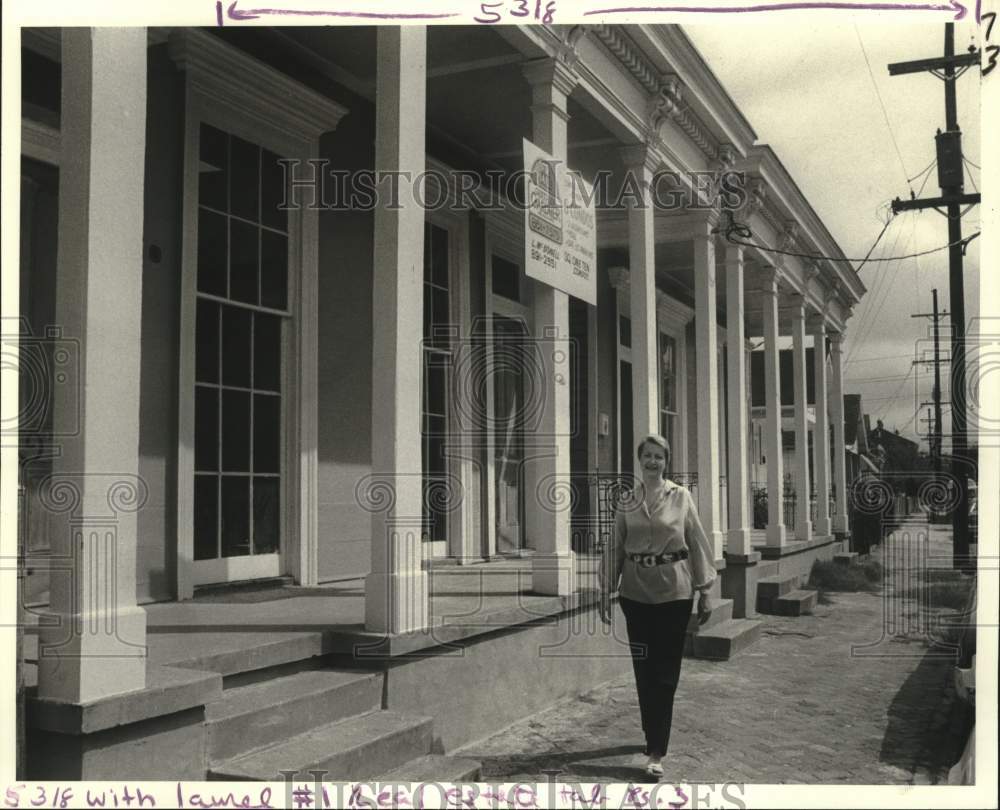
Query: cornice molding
<point>670,309</point>
<point>630,56</point>
<point>220,70</point>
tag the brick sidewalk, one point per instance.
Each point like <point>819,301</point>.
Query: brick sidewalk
<point>797,707</point>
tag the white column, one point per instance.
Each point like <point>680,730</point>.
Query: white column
<point>642,300</point>
<point>772,419</point>
<point>707,382</point>
<point>803,524</point>
<point>738,536</point>
<point>840,526</point>
<point>821,429</point>
<point>396,590</point>
<point>553,564</point>
<point>98,647</point>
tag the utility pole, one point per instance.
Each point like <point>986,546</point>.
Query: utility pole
<point>937,442</point>
<point>951,179</point>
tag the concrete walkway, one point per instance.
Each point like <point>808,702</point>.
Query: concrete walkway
<point>855,693</point>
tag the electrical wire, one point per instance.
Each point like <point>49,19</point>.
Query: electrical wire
<point>881,103</point>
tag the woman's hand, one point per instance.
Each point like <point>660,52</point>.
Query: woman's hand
<point>604,608</point>
<point>704,608</point>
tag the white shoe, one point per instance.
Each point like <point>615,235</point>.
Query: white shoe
<point>654,767</point>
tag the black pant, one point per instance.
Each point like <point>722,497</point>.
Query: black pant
<point>656,638</point>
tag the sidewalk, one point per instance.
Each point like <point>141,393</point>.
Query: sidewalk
<point>800,706</point>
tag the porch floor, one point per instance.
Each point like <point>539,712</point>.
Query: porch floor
<point>241,629</point>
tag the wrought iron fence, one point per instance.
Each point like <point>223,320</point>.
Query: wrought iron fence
<point>760,505</point>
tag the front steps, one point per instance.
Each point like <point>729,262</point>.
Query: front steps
<point>779,596</point>
<point>722,636</point>
<point>324,720</point>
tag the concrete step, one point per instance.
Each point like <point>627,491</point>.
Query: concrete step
<point>846,558</point>
<point>723,641</point>
<point>358,747</point>
<point>771,588</point>
<point>263,713</point>
<point>795,603</point>
<point>435,768</point>
<point>722,611</point>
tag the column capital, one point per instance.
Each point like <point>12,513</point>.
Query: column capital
<point>817,325</point>
<point>794,305</point>
<point>551,72</point>
<point>705,224</point>
<point>640,156</point>
<point>836,341</point>
<point>619,278</point>
<point>734,254</point>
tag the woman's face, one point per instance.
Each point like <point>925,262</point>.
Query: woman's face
<point>653,460</point>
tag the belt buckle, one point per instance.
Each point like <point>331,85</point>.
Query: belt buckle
<point>648,560</point>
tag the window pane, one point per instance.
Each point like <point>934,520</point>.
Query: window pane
<point>624,331</point>
<point>243,267</point>
<point>266,515</point>
<point>211,253</point>
<point>244,173</point>
<point>267,352</point>
<point>207,339</point>
<point>236,431</point>
<point>236,346</point>
<point>266,433</point>
<point>213,176</point>
<point>273,270</point>
<point>235,515</point>
<point>439,256</point>
<point>506,277</point>
<point>434,519</point>
<point>428,249</point>
<point>206,517</point>
<point>435,382</point>
<point>272,191</point>
<point>206,429</point>
<point>440,312</point>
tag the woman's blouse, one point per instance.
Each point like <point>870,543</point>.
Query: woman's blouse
<point>672,524</point>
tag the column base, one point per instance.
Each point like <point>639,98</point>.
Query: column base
<point>804,531</point>
<point>397,603</point>
<point>106,656</point>
<point>717,540</point>
<point>553,574</point>
<point>822,527</point>
<point>739,583</point>
<point>776,534</point>
<point>839,523</point>
<point>739,542</point>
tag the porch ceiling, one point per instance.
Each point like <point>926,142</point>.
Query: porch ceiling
<point>477,98</point>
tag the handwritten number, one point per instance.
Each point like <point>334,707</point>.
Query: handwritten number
<point>989,28</point>
<point>522,9</point>
<point>994,52</point>
<point>486,9</point>
<point>550,10</point>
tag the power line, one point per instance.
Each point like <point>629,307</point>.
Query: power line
<point>878,95</point>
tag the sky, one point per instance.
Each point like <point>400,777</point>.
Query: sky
<point>807,91</point>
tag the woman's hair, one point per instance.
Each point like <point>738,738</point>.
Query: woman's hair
<point>659,441</point>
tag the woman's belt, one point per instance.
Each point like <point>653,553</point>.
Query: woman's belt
<point>649,560</point>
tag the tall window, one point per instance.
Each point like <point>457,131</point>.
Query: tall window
<point>668,388</point>
<point>437,358</point>
<point>242,308</point>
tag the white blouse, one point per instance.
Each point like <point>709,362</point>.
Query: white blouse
<point>672,524</point>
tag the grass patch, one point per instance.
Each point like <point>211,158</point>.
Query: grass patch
<point>943,588</point>
<point>827,575</point>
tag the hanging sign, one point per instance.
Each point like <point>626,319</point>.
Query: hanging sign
<point>560,226</point>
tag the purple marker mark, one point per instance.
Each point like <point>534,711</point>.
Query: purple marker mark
<point>951,5</point>
<point>253,13</point>
<point>218,13</point>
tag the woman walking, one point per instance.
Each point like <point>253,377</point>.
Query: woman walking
<point>660,554</point>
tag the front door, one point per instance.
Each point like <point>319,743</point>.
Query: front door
<point>243,320</point>
<point>509,335</point>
